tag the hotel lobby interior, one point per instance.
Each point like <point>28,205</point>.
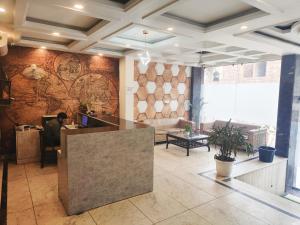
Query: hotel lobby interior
<point>140,112</point>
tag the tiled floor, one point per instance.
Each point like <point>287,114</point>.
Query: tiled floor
<point>180,197</point>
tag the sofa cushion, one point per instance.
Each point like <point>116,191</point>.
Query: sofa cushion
<point>162,123</point>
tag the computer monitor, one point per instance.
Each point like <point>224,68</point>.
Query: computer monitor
<point>84,121</point>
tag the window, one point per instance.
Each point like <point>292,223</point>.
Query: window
<point>216,76</point>
<point>260,69</point>
<point>248,70</point>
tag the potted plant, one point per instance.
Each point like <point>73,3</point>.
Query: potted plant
<point>228,139</point>
<point>188,129</point>
<point>83,107</point>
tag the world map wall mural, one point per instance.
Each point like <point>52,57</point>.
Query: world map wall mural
<point>48,82</point>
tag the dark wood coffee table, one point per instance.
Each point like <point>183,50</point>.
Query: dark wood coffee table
<point>195,140</point>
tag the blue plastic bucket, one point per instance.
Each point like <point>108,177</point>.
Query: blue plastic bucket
<point>266,154</point>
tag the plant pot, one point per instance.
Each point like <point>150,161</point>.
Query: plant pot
<point>224,168</point>
<point>266,154</point>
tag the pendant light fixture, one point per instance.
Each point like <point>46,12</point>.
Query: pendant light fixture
<point>145,56</point>
<point>201,63</point>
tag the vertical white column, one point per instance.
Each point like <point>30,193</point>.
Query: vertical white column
<point>126,95</point>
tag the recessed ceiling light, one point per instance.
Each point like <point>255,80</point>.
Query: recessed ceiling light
<point>2,10</point>
<point>170,28</point>
<point>100,54</point>
<point>43,47</point>
<point>244,27</point>
<point>78,6</point>
<point>56,34</point>
<point>176,45</point>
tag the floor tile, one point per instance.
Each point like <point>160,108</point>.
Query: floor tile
<point>34,169</point>
<point>186,218</point>
<point>25,217</point>
<point>218,213</point>
<point>43,189</point>
<point>157,206</point>
<point>263,212</point>
<point>120,213</point>
<point>186,194</point>
<point>205,184</point>
<point>54,214</point>
<point>19,197</point>
<point>16,172</point>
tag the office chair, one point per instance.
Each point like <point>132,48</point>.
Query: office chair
<point>47,140</point>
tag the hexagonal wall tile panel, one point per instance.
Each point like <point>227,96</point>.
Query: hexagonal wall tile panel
<point>159,93</point>
<point>173,115</point>
<point>142,117</point>
<point>188,71</point>
<point>142,68</point>
<point>135,86</point>
<point>142,93</point>
<point>159,81</point>
<point>181,76</point>
<point>187,93</point>
<point>151,86</point>
<point>151,100</point>
<point>167,88</point>
<point>175,70</point>
<point>167,75</point>
<point>180,111</point>
<point>150,112</point>
<point>166,111</point>
<point>142,80</point>
<point>159,68</point>
<point>158,106</point>
<point>159,115</point>
<point>187,105</point>
<point>173,105</point>
<point>167,99</point>
<point>181,88</point>
<point>181,99</point>
<point>174,93</point>
<point>151,73</point>
<point>142,106</point>
<point>174,82</point>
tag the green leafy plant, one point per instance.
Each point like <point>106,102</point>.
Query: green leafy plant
<point>188,128</point>
<point>229,140</point>
<point>83,107</point>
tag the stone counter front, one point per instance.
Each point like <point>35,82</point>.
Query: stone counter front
<point>98,168</point>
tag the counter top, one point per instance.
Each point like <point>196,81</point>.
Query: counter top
<point>112,124</point>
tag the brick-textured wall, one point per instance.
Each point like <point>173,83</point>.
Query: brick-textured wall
<point>161,91</point>
<point>67,79</point>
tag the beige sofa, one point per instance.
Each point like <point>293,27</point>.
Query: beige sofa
<point>256,135</point>
<point>163,126</point>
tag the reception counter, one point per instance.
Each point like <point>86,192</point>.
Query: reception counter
<point>104,164</point>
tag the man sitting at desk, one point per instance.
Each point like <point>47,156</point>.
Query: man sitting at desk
<point>52,129</point>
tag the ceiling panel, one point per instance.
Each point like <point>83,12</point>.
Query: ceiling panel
<point>135,33</point>
<point>112,48</point>
<point>210,12</point>
<point>45,38</point>
<point>61,17</point>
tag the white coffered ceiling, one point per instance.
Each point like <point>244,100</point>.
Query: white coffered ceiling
<point>222,31</point>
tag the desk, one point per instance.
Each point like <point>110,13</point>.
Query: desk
<point>28,146</point>
<point>101,165</point>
